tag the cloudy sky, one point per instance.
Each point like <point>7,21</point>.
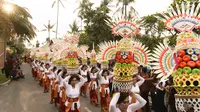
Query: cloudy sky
<point>41,12</point>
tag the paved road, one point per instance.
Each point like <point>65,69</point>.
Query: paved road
<point>25,95</point>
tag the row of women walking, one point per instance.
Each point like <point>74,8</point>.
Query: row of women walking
<point>65,88</point>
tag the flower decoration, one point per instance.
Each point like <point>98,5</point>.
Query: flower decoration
<point>188,34</point>
<point>190,51</point>
<point>197,51</point>
<point>124,55</point>
<point>194,57</point>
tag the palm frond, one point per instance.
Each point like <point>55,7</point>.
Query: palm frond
<point>44,30</point>
<point>45,26</point>
<point>61,3</point>
<point>51,26</point>
<point>53,4</point>
<point>54,31</point>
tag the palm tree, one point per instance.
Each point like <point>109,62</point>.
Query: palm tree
<point>74,28</point>
<point>16,23</point>
<point>125,4</point>
<point>58,6</point>
<point>84,5</point>
<point>48,28</point>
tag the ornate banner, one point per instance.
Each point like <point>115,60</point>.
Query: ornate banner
<point>2,53</point>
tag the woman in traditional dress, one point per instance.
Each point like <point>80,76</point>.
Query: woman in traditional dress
<point>33,68</point>
<point>120,102</point>
<point>46,80</point>
<point>52,76</point>
<point>93,88</point>
<point>59,81</point>
<point>73,84</point>
<point>104,77</point>
<point>136,85</point>
<point>84,72</point>
<point>56,88</point>
<point>41,71</point>
<point>38,69</point>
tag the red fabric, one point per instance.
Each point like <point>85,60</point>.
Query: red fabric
<point>76,110</point>
<point>46,83</point>
<point>56,91</point>
<point>93,96</point>
<point>52,93</point>
<point>105,101</point>
<point>70,102</point>
<point>84,87</point>
<point>61,108</point>
<point>33,72</point>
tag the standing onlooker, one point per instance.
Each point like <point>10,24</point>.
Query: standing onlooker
<point>171,98</point>
<point>160,106</point>
<point>145,87</point>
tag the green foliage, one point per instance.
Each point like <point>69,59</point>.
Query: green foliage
<point>17,46</point>
<point>152,26</point>
<point>16,23</point>
<point>3,78</point>
<point>96,30</point>
<point>74,28</point>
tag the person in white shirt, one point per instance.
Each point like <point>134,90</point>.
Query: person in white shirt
<point>136,84</point>
<point>84,72</point>
<point>41,72</point>
<point>120,103</point>
<point>104,77</point>
<point>52,77</point>
<point>73,84</point>
<point>136,88</point>
<point>33,65</point>
<point>38,69</point>
<point>61,89</point>
<point>46,81</point>
<point>56,88</point>
<point>93,88</point>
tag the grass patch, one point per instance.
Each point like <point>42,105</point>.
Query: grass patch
<point>3,78</point>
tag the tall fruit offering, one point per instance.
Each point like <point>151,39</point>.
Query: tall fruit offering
<point>183,62</point>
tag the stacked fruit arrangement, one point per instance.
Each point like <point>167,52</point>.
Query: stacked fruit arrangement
<point>187,73</point>
<point>93,57</point>
<point>124,67</point>
<point>72,59</point>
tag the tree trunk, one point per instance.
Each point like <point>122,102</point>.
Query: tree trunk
<point>57,18</point>
<point>125,11</point>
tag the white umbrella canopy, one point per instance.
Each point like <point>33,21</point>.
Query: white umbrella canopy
<point>62,53</point>
<point>57,44</point>
<point>44,48</point>
<point>33,51</point>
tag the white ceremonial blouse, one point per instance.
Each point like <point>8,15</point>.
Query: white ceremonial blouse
<point>73,92</point>
<point>136,88</point>
<point>102,80</point>
<point>52,75</point>
<point>140,102</point>
<point>83,73</point>
<point>59,79</point>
